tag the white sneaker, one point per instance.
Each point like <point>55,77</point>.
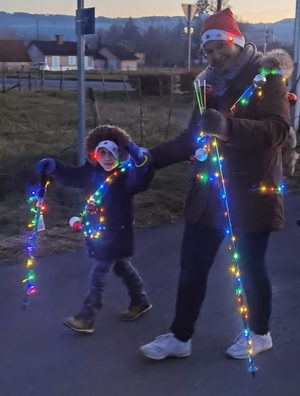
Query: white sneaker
<point>260,343</point>
<point>166,345</point>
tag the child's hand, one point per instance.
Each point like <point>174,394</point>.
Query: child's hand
<point>137,154</point>
<point>46,165</point>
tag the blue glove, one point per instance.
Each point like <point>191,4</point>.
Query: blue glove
<point>46,165</point>
<point>137,154</point>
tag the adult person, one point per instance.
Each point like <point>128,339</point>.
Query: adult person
<point>249,136</point>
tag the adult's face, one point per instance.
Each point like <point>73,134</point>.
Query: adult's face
<point>221,54</point>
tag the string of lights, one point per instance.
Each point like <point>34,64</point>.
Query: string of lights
<point>210,148</point>
<point>36,200</point>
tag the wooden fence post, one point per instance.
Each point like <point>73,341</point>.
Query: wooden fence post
<point>61,79</point>
<point>35,80</point>
<point>19,81</point>
<point>29,81</point>
<point>4,82</point>
<point>160,87</point>
<point>42,80</point>
<point>170,109</point>
<point>141,113</point>
<point>94,107</point>
<point>125,86</point>
<point>103,87</point>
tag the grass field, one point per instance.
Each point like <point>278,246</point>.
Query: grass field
<point>36,125</point>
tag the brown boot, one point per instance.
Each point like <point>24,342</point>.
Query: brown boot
<point>81,325</point>
<point>134,311</point>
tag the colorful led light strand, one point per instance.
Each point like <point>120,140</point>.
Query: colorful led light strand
<point>37,224</point>
<point>93,229</point>
<point>216,159</point>
<point>234,267</point>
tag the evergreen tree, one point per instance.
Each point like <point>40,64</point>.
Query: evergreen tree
<point>113,35</point>
<point>131,33</point>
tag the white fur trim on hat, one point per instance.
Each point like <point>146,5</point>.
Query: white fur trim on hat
<point>218,34</point>
<point>110,146</point>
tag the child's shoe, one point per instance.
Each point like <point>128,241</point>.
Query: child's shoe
<point>81,325</point>
<point>134,311</point>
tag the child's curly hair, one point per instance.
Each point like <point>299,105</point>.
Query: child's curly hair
<point>107,132</point>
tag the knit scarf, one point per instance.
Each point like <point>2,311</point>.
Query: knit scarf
<point>219,78</point>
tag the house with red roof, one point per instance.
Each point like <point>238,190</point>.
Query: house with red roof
<point>14,56</point>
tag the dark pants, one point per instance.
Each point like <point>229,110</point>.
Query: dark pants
<point>123,269</point>
<point>200,245</point>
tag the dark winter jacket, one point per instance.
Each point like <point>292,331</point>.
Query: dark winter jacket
<point>117,240</point>
<point>252,155</point>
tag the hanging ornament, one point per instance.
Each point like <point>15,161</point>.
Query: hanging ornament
<point>259,81</point>
<point>75,223</point>
<point>201,154</point>
<point>292,98</point>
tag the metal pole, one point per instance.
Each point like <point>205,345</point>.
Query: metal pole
<point>190,35</point>
<point>265,41</point>
<point>219,5</point>
<point>80,82</point>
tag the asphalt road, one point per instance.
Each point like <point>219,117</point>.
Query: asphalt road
<point>40,357</point>
<point>67,84</point>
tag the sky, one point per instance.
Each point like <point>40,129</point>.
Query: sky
<point>259,11</point>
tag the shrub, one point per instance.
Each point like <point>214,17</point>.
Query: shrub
<point>187,80</point>
<point>152,84</point>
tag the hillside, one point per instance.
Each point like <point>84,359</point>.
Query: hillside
<point>33,25</point>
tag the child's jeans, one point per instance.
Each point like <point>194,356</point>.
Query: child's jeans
<point>123,269</point>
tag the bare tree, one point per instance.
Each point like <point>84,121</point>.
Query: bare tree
<point>211,6</point>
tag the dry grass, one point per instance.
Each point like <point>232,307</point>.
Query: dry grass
<point>38,125</point>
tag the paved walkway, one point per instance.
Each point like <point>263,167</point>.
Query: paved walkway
<point>40,357</point>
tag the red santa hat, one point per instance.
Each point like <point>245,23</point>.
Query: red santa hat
<point>221,26</point>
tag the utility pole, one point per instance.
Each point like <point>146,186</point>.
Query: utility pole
<point>189,12</point>
<point>219,5</point>
<point>296,76</point>
<point>265,40</point>
<point>80,82</point>
<point>189,21</point>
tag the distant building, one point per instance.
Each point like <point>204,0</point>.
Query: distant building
<point>262,37</point>
<point>58,54</point>
<point>135,50</point>
<point>115,57</point>
<point>62,55</point>
<point>14,56</point>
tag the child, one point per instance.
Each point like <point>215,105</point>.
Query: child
<point>109,179</point>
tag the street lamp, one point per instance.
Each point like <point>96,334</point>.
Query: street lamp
<point>189,12</point>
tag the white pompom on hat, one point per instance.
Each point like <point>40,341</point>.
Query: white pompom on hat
<point>221,26</point>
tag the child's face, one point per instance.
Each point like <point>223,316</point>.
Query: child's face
<point>106,159</point>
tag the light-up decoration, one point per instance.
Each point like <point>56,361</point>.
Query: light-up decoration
<point>37,224</point>
<point>217,176</point>
<point>92,218</point>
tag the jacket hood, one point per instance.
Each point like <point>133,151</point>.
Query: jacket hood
<point>279,60</point>
<point>107,132</point>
